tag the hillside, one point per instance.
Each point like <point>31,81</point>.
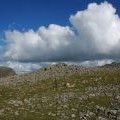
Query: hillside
<point>6,71</point>
<point>114,65</point>
<point>51,71</point>
<point>61,92</point>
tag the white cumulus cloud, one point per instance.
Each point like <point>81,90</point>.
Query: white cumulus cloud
<point>44,44</point>
<point>98,28</point>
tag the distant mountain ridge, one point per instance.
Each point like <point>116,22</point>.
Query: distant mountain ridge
<point>6,71</point>
<point>112,65</point>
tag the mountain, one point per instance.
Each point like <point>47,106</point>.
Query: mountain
<point>6,71</point>
<point>61,92</point>
<point>112,65</point>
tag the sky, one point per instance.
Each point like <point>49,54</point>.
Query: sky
<point>34,13</point>
<point>34,33</point>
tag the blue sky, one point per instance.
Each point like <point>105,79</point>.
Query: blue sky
<point>37,31</point>
<point>34,13</point>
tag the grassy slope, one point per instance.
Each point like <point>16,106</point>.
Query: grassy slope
<point>63,98</point>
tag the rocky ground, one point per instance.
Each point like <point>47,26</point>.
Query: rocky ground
<point>61,92</point>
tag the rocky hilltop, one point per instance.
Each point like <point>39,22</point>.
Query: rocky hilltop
<point>51,71</point>
<point>61,92</point>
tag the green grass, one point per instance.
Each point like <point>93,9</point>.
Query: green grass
<point>52,99</point>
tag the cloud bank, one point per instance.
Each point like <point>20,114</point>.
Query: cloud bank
<point>45,44</point>
<point>94,34</point>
